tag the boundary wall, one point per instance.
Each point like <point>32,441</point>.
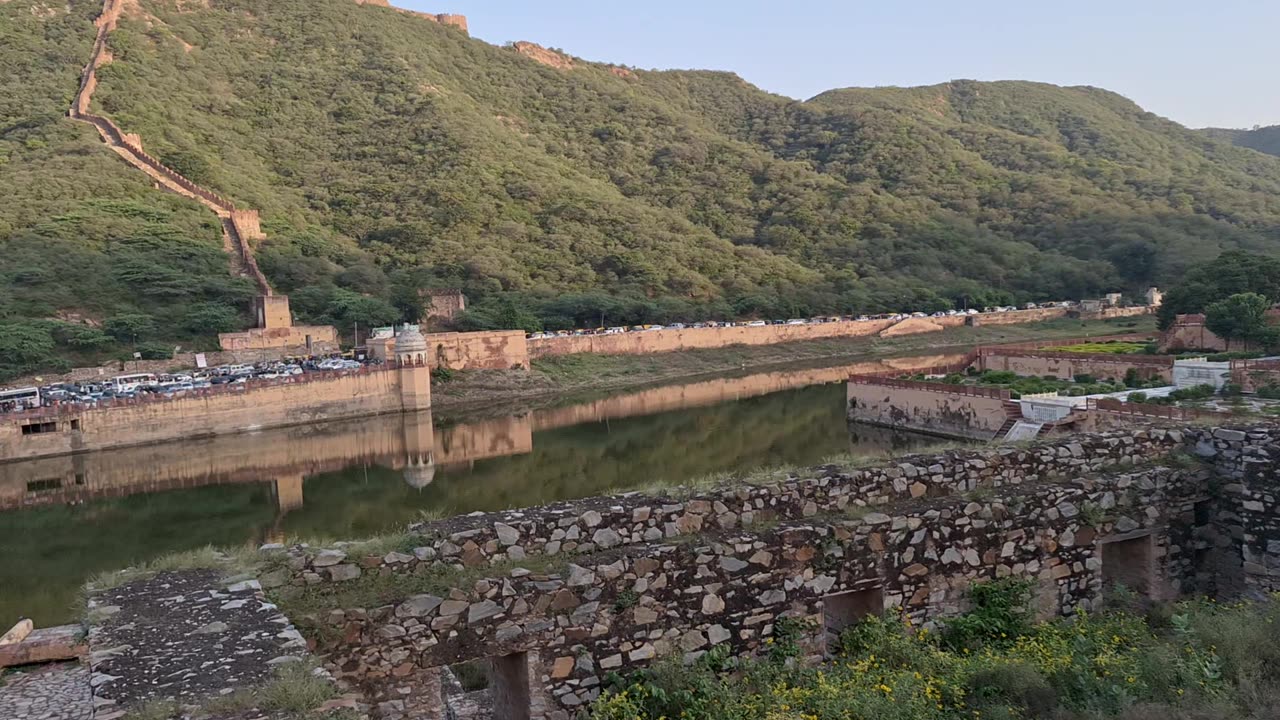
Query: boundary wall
<point>955,411</point>
<point>660,341</point>
<point>1066,365</point>
<point>224,410</point>
<point>1074,517</point>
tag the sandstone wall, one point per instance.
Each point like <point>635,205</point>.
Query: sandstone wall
<point>950,411</point>
<point>218,411</point>
<point>489,350</point>
<point>660,341</point>
<point>627,593</point>
<point>1066,365</point>
<point>288,340</point>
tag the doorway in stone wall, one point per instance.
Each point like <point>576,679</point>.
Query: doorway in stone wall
<point>1128,569</point>
<point>846,609</point>
<point>496,688</point>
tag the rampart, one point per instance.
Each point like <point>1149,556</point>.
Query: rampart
<point>240,227</point>
<point>222,410</point>
<point>450,19</point>
<point>625,580</point>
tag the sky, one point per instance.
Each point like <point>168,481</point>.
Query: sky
<point>1199,62</point>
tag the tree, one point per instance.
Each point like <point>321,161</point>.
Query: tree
<point>211,319</point>
<point>130,327</point>
<point>1241,317</point>
<point>1229,274</point>
<point>24,348</point>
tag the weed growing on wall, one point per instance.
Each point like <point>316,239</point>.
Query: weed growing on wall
<point>1192,660</point>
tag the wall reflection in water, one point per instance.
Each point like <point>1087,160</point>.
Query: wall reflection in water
<point>70,517</point>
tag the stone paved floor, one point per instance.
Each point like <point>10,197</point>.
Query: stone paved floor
<point>58,691</point>
<point>183,636</point>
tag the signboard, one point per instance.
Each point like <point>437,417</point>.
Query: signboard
<point>201,362</point>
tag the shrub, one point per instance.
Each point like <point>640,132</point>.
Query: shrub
<point>155,351</point>
<point>1136,397</point>
<point>1014,684</point>
<point>1000,613</point>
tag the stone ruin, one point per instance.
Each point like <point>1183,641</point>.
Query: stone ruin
<point>576,590</point>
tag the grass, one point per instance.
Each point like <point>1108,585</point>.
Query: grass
<point>295,690</point>
<point>377,589</point>
<point>235,561</point>
<point>1102,348</point>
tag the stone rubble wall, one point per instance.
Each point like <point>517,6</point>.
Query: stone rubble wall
<point>646,577</point>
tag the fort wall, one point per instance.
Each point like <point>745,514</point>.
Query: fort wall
<point>224,410</point>
<point>1073,517</point>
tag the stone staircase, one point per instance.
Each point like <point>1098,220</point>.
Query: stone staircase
<point>1013,415</point>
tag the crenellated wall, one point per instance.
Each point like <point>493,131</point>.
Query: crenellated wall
<point>639,577</point>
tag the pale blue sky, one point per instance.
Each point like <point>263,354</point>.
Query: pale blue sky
<point>1200,62</point>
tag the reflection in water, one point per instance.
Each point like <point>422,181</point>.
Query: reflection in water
<point>72,516</point>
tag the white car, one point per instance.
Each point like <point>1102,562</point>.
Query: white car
<point>757,323</point>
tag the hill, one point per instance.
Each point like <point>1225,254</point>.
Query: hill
<point>388,152</point>
<point>1262,139</point>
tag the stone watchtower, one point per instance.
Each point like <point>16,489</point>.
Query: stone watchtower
<point>413,359</point>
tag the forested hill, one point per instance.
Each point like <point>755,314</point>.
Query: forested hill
<point>388,153</point>
<point>1262,139</point>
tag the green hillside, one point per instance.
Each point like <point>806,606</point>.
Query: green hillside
<point>388,153</point>
<point>1262,139</point>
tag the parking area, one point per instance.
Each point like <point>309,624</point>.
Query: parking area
<point>167,385</point>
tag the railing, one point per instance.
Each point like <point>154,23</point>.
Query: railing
<point>1169,412</point>
<point>1134,359</point>
<point>965,390</point>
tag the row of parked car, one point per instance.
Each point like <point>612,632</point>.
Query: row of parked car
<point>165,384</point>
<point>793,321</point>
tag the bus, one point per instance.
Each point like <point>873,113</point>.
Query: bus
<point>129,383</point>
<point>19,399</point>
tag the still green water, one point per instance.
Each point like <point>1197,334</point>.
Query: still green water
<point>49,550</point>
